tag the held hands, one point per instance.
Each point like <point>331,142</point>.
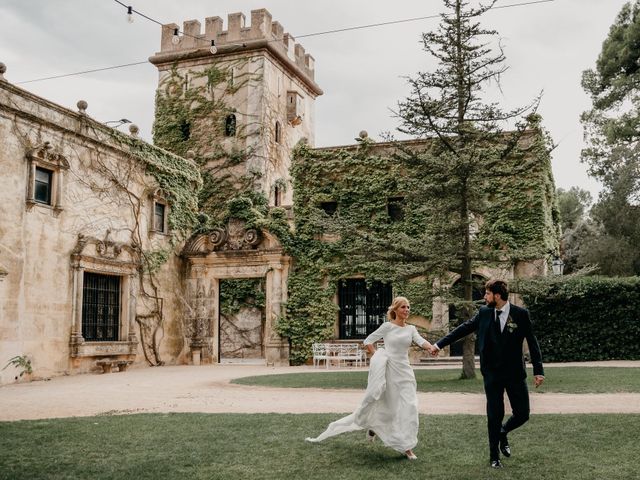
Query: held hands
<point>537,380</point>
<point>432,349</point>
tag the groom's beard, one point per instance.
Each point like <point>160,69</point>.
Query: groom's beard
<point>491,304</point>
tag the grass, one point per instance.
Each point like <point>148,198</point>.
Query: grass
<point>557,380</point>
<point>271,446</point>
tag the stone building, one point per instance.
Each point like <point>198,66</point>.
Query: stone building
<point>82,210</point>
<point>100,260</point>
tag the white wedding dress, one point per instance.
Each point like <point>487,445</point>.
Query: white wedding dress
<point>390,404</point>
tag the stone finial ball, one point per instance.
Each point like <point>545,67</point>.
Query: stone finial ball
<point>363,134</point>
<point>133,129</point>
<point>190,154</point>
<point>3,68</point>
<point>82,105</point>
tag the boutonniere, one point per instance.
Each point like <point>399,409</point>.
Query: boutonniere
<point>511,325</point>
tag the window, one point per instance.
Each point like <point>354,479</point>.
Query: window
<point>276,196</point>
<point>159,217</point>
<point>159,210</point>
<point>45,173</point>
<point>42,186</point>
<point>278,132</point>
<point>329,208</point>
<point>100,307</point>
<point>362,309</point>
<point>395,209</point>
<point>230,126</point>
<point>185,130</point>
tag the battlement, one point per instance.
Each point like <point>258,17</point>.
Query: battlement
<point>263,32</point>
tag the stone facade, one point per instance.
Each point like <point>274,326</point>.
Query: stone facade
<point>66,218</point>
<point>56,250</point>
<point>275,106</point>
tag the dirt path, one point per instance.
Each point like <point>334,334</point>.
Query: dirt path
<point>207,389</point>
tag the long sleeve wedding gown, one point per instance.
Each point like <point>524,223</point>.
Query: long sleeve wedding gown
<point>390,404</point>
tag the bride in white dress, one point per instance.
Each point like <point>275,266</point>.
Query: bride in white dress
<point>389,409</point>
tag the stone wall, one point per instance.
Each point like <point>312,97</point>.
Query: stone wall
<point>46,248</point>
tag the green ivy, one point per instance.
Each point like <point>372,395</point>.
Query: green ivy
<point>190,122</point>
<point>522,223</point>
<point>236,294</point>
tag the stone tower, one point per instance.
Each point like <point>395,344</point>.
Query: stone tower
<point>268,92</point>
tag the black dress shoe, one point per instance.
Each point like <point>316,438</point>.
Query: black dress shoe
<point>496,464</point>
<point>504,445</point>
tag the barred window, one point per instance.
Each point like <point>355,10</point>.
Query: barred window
<point>362,309</point>
<point>100,307</point>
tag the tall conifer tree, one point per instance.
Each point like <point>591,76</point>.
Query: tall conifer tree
<point>469,142</point>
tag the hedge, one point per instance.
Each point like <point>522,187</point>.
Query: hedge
<point>584,318</point>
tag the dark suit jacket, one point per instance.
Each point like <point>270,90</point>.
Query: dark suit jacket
<point>500,353</point>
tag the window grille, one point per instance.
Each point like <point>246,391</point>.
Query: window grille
<point>362,309</point>
<point>100,307</point>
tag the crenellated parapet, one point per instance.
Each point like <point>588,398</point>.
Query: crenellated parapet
<point>239,37</point>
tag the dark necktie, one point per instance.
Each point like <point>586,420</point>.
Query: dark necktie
<point>498,312</point>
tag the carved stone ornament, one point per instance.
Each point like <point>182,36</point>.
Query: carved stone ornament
<point>105,248</point>
<point>46,155</point>
<point>108,248</point>
<point>234,237</point>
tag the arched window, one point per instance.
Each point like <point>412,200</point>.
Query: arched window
<point>278,132</point>
<point>230,126</point>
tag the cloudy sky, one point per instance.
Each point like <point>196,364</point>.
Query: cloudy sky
<point>362,71</point>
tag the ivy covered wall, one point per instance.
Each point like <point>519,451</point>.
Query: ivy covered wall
<point>348,202</point>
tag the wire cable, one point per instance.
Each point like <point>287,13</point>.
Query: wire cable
<point>326,32</point>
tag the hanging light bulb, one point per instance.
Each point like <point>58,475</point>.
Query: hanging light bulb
<point>175,39</point>
<point>213,49</point>
<point>130,14</point>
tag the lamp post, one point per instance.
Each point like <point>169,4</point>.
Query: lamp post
<point>557,266</point>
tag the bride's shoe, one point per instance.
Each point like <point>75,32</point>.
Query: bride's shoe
<point>371,435</point>
<point>410,455</point>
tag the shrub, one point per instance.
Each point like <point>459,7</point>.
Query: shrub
<point>581,318</point>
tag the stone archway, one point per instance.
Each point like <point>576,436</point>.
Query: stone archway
<point>233,253</point>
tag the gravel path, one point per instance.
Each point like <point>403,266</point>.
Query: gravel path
<point>207,389</point>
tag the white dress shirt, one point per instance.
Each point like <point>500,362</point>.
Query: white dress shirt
<point>503,315</point>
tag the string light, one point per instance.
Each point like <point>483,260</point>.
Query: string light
<point>213,49</point>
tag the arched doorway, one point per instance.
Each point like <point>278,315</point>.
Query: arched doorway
<point>454,315</point>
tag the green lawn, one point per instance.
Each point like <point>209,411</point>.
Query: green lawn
<point>557,380</point>
<point>237,446</point>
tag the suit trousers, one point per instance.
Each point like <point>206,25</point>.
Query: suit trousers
<point>494,388</point>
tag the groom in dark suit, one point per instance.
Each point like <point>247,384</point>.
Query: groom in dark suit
<point>501,328</point>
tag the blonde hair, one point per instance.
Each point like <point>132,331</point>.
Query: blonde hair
<point>395,305</point>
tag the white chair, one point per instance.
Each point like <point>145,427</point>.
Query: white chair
<point>320,353</point>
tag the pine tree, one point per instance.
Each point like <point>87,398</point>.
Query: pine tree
<point>469,141</point>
